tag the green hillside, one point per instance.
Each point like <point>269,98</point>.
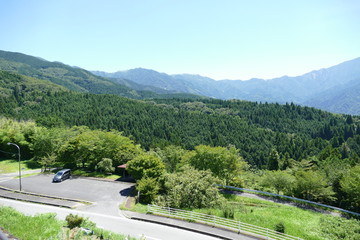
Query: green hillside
<point>72,78</point>
<point>254,128</point>
<point>313,154</point>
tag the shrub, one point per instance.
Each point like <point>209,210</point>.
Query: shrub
<point>73,221</point>
<point>148,188</point>
<point>105,165</point>
<point>280,227</point>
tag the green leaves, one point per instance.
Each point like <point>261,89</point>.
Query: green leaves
<point>146,165</point>
<point>224,163</point>
<point>312,185</point>
<point>350,184</point>
<point>191,188</point>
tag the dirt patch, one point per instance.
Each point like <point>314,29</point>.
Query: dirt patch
<point>130,201</point>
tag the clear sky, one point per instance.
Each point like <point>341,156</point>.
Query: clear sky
<point>221,39</point>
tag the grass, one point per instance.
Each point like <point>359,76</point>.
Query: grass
<point>80,172</point>
<point>46,226</point>
<point>11,165</point>
<point>298,222</point>
<point>25,227</point>
<point>27,175</point>
<point>133,206</point>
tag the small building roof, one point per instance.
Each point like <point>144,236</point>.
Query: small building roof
<point>122,166</point>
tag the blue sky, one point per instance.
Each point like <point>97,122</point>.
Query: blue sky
<point>229,39</point>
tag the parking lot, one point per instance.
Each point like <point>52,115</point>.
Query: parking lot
<point>105,195</point>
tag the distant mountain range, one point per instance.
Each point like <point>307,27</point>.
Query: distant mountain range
<point>335,89</point>
<point>77,79</point>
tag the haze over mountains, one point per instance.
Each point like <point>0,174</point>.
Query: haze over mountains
<point>335,89</point>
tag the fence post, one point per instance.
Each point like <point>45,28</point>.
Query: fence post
<point>239,226</point>
<point>169,211</point>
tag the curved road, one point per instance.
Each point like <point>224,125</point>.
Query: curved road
<point>104,212</point>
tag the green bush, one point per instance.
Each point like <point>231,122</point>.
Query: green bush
<point>73,221</point>
<point>280,227</point>
<point>148,188</point>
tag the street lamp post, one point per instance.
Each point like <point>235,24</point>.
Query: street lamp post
<point>9,143</point>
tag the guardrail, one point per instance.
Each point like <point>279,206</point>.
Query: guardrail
<point>288,197</point>
<point>220,222</point>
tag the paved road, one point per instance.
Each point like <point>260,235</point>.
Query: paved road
<point>106,196</point>
<point>113,223</point>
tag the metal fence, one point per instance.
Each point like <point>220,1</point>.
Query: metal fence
<point>215,221</point>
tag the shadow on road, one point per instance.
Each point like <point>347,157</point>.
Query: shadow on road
<point>128,192</point>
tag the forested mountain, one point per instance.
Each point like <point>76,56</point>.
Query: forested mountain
<point>329,83</point>
<point>256,129</point>
<point>341,98</point>
<point>299,151</point>
<point>73,78</point>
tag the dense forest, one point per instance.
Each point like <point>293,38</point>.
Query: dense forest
<point>255,128</point>
<point>288,149</point>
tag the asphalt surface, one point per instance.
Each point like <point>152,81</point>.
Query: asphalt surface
<point>105,196</point>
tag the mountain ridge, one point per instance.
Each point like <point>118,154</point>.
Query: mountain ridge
<point>301,89</point>
<point>75,78</point>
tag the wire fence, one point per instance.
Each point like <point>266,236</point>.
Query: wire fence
<point>220,222</point>
<point>288,197</point>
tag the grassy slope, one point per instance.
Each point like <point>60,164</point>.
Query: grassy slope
<point>298,222</point>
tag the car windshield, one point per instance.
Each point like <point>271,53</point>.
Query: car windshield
<point>59,174</point>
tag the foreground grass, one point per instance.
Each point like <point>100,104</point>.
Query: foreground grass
<point>46,226</point>
<point>11,165</point>
<point>43,226</point>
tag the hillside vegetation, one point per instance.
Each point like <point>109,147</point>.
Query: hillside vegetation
<point>287,148</point>
<point>177,148</point>
<point>72,78</point>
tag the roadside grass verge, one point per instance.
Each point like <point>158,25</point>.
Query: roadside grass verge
<point>27,175</point>
<point>131,205</point>
<point>84,173</point>
<point>298,222</point>
<point>11,165</point>
<point>46,226</point>
<point>26,227</point>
